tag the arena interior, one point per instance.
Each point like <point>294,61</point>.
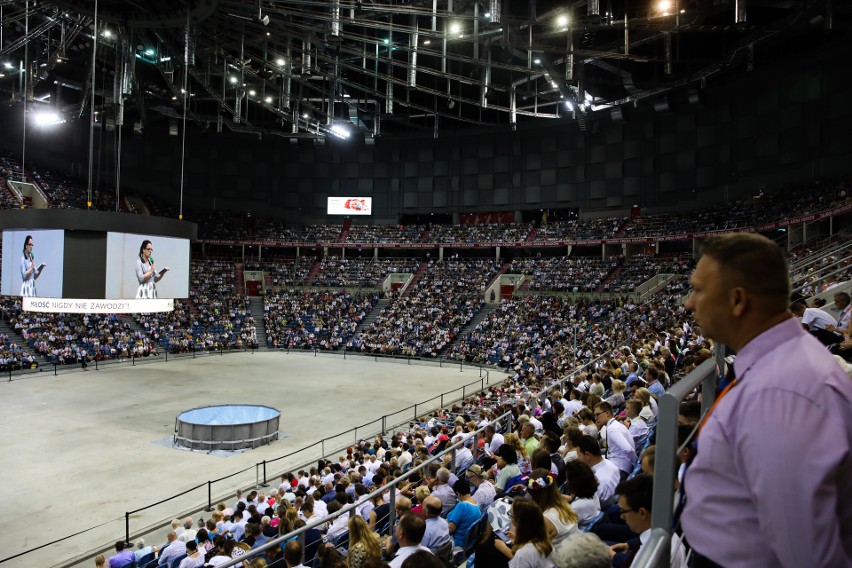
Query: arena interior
<point>538,178</point>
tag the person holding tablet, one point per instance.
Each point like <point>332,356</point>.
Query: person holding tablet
<point>146,272</point>
<point>29,271</point>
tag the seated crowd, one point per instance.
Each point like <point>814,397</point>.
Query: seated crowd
<point>383,234</point>
<point>554,480</point>
<point>360,272</point>
<point>640,268</point>
<point>216,316</point>
<point>70,339</point>
<point>562,274</point>
<point>443,300</point>
<point>486,233</point>
<point>313,320</point>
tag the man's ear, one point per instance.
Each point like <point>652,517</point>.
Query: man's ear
<point>739,300</point>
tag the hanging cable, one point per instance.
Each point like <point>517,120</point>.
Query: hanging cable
<point>185,95</point>
<point>26,88</point>
<point>92,113</point>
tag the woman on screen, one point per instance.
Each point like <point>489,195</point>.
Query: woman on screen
<point>29,271</point>
<point>146,273</point>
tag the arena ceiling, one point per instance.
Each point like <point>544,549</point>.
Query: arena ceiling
<point>373,67</point>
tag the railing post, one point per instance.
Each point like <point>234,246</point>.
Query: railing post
<point>415,411</point>
<point>54,369</point>
<point>442,400</point>
<point>392,512</point>
<point>126,528</point>
<point>475,446</point>
<point>461,366</point>
<point>384,424</point>
<point>323,448</point>
<point>209,496</point>
<point>463,392</point>
<point>257,476</point>
<point>265,482</point>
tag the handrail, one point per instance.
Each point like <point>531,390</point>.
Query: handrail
<point>656,552</point>
<point>350,508</point>
<point>829,249</point>
<point>381,422</point>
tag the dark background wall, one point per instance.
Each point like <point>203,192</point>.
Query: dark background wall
<point>786,123</point>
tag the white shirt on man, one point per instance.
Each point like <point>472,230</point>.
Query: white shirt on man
<point>621,450</point>
<point>816,318</point>
<point>608,476</point>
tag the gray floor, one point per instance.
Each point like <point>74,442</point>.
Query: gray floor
<point>80,449</point>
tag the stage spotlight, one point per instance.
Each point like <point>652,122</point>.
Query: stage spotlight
<point>340,131</point>
<point>233,80</point>
<point>46,118</point>
<point>455,28</point>
<point>562,21</point>
<point>280,62</point>
<point>664,5</point>
<point>268,100</point>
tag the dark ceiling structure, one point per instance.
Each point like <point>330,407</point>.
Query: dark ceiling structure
<point>378,67</point>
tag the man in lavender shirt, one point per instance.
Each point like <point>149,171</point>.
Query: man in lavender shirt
<point>771,482</point>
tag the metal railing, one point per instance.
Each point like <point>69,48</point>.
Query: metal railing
<point>327,446</point>
<point>350,508</point>
<point>655,553</point>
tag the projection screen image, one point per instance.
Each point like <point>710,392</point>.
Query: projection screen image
<point>146,267</point>
<point>32,263</point>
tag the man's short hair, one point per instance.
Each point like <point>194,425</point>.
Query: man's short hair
<point>422,559</point>
<point>293,553</point>
<point>462,487</point>
<point>634,405</point>
<point>443,475</point>
<point>690,410</point>
<point>432,505</point>
<point>582,550</point>
<point>844,296</point>
<point>191,545</point>
<point>753,262</point>
<point>413,526</point>
<point>604,407</point>
<point>638,492</point>
<point>587,444</point>
<point>119,545</point>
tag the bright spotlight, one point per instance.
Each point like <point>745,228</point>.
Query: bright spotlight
<point>8,65</point>
<point>252,93</point>
<point>232,79</point>
<point>340,131</point>
<point>280,62</point>
<point>46,118</point>
<point>455,27</point>
<point>562,21</point>
<point>149,51</point>
<point>537,61</point>
<point>664,5</point>
<point>268,100</point>
<point>107,33</point>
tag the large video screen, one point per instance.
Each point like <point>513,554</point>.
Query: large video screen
<point>146,267</point>
<point>350,206</point>
<point>33,263</point>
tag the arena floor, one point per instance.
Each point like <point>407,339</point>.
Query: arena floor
<point>82,448</point>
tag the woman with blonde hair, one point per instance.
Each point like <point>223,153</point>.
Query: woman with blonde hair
<point>559,517</point>
<point>616,399</point>
<point>420,494</point>
<point>523,459</point>
<point>649,405</point>
<point>364,544</point>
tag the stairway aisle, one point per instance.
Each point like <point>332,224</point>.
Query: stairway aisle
<point>481,316</point>
<point>371,317</point>
<point>256,306</point>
